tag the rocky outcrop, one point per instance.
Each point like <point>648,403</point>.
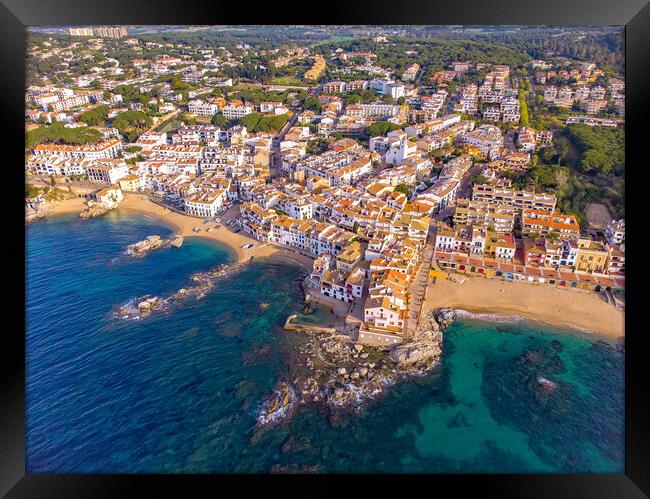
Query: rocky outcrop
<point>176,241</point>
<point>140,307</point>
<point>94,210</point>
<point>38,208</point>
<point>36,213</point>
<point>141,248</point>
<point>444,316</point>
<point>416,352</point>
<point>278,405</point>
<point>344,376</point>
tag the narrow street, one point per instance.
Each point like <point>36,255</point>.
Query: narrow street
<point>418,291</point>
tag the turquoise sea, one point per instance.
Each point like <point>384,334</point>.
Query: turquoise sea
<point>179,392</point>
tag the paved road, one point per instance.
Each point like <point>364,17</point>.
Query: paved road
<point>276,160</point>
<point>510,141</point>
<point>163,120</point>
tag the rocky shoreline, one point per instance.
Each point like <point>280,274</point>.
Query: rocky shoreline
<point>343,376</point>
<point>37,210</point>
<point>94,210</point>
<point>141,248</point>
<point>143,306</point>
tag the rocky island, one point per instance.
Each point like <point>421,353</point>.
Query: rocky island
<point>141,248</point>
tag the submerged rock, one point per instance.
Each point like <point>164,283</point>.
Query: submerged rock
<point>204,281</point>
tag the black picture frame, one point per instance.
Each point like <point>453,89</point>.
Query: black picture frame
<point>15,15</point>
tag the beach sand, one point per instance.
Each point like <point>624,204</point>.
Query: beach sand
<point>184,224</point>
<point>561,307</point>
<point>74,205</point>
<point>224,235</point>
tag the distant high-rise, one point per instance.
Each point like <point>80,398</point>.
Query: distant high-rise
<point>111,31</point>
<point>80,31</point>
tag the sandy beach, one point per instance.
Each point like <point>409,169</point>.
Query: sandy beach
<point>562,307</point>
<point>184,224</point>
<point>74,205</point>
<point>224,235</point>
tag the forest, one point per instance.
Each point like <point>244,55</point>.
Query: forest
<point>57,133</point>
<point>586,165</point>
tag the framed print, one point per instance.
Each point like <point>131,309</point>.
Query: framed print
<point>378,243</point>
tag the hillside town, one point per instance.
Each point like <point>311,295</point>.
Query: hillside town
<point>389,180</point>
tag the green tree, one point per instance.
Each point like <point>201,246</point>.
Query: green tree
<point>96,116</point>
<point>404,189</point>
<point>219,120</point>
<point>313,104</point>
<point>523,108</point>
<point>381,128</point>
<point>57,133</point>
<point>132,123</point>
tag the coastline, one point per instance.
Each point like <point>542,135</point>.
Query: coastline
<point>567,309</point>
<point>183,225</point>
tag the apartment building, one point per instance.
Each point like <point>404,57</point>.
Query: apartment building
<point>499,217</point>
<point>68,103</point>
<point>411,72</point>
<point>334,87</point>
<point>377,110</point>
<point>591,256</point>
<point>205,204</point>
<point>544,223</point>
<point>487,138</point>
<point>385,86</point>
<point>236,111</point>
<point>106,149</point>
<point>518,199</point>
<point>615,232</point>
<point>107,171</point>
<point>202,108</point>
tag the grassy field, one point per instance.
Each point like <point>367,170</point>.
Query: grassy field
<point>287,80</point>
<point>334,39</point>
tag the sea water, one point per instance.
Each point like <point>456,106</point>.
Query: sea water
<point>181,391</point>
